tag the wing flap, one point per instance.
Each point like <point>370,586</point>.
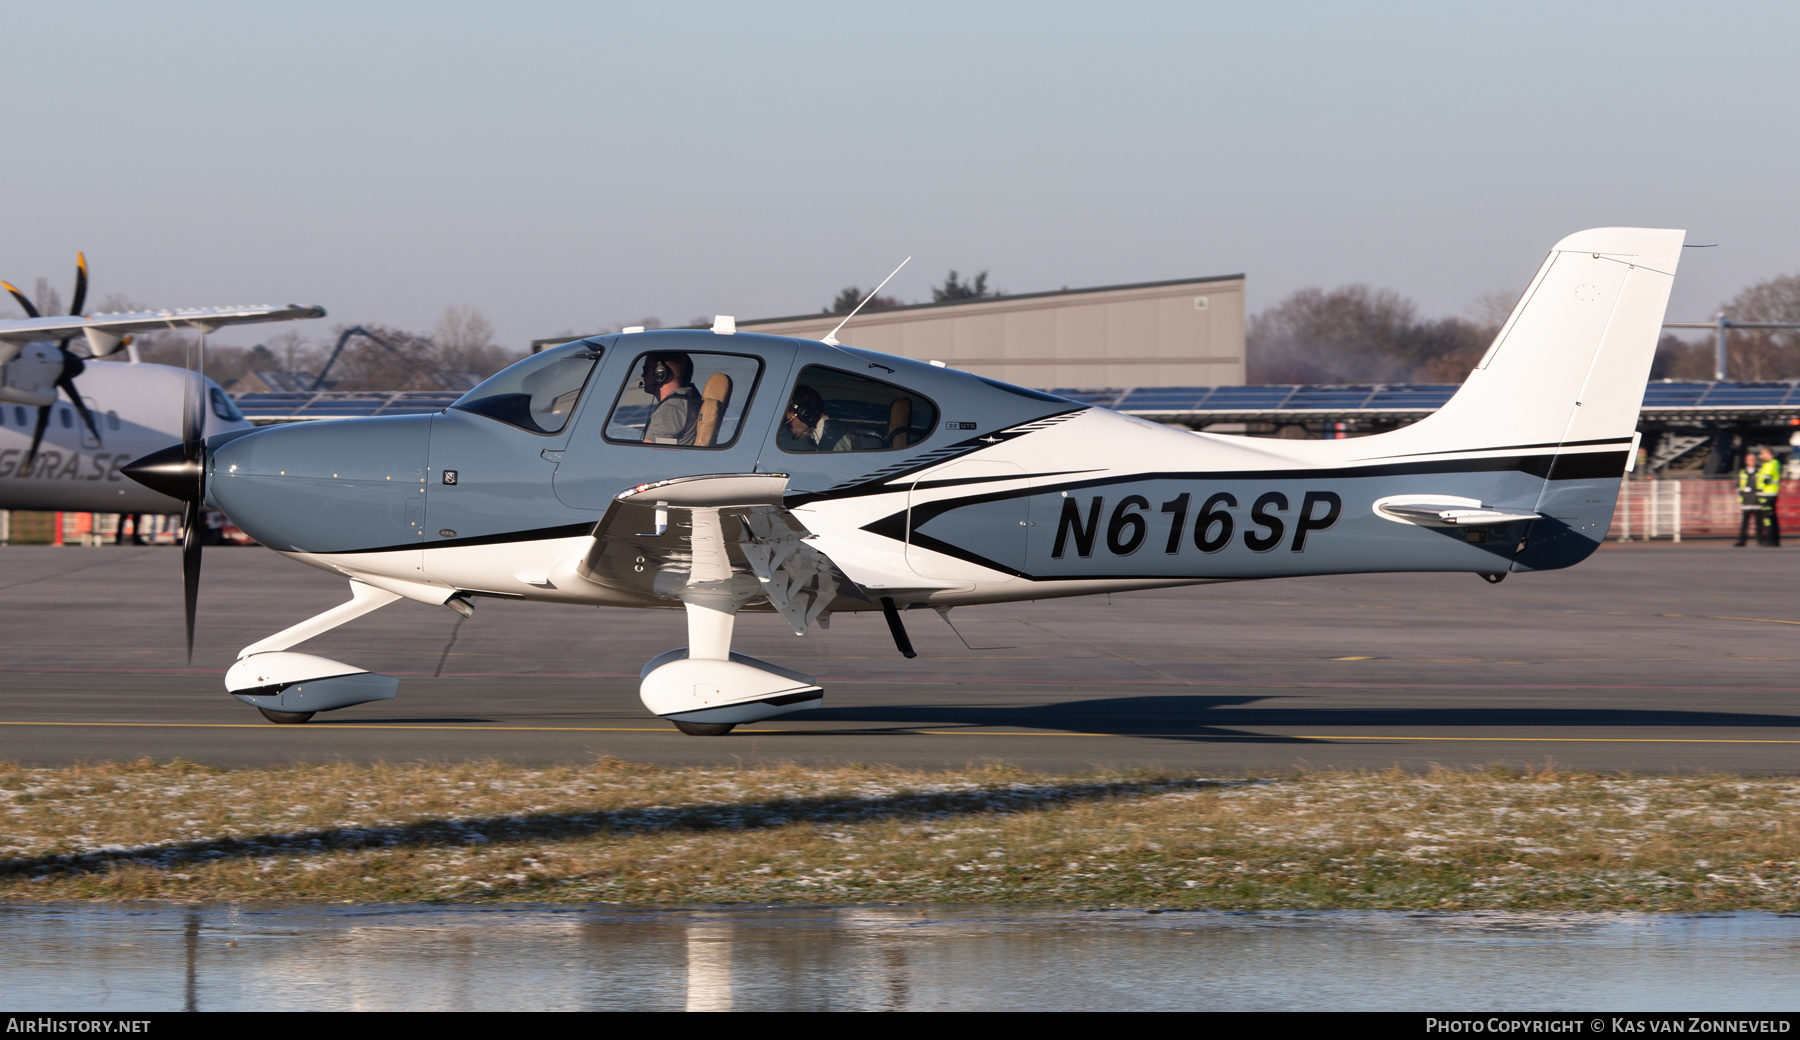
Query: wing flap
<point>720,537</point>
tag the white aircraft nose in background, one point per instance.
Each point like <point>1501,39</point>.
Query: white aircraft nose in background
<point>62,441</point>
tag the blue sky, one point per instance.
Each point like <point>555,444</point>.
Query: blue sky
<point>570,166</point>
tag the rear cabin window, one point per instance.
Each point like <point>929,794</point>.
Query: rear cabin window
<point>539,393</point>
<point>684,399</point>
<point>831,410</point>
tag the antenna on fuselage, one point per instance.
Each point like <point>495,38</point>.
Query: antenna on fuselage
<point>831,337</point>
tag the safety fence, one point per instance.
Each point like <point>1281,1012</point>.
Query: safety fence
<point>1677,509</point>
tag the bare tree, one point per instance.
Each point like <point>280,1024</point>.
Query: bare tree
<point>1359,334</point>
<point>464,342</point>
<point>1677,358</point>
<point>1757,354</point>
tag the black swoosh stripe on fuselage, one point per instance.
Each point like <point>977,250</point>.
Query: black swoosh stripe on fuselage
<point>538,534</point>
<point>895,525</point>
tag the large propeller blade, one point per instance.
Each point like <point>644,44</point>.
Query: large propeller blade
<point>31,310</point>
<point>72,366</point>
<point>80,286</point>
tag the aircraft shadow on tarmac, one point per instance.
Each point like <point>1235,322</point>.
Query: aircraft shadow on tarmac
<point>1202,718</point>
<point>622,823</point>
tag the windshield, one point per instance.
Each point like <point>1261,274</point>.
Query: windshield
<point>539,393</point>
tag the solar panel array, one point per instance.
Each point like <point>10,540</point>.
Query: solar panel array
<point>1276,402</point>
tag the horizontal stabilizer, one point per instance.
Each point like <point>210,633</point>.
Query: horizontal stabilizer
<point>1445,511</point>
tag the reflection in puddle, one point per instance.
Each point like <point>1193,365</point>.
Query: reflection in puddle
<point>155,957</point>
<point>709,967</point>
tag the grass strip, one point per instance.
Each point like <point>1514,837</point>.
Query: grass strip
<point>616,831</point>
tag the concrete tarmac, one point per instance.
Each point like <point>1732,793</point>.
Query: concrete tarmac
<point>1645,658</point>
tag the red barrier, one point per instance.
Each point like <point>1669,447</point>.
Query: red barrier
<point>1691,509</point>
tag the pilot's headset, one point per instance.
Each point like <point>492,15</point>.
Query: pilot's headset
<point>657,373</point>
<point>805,406</point>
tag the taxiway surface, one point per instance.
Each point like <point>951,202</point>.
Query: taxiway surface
<point>1647,659</point>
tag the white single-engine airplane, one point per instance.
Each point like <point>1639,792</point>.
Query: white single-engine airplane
<point>58,453</point>
<point>727,472</point>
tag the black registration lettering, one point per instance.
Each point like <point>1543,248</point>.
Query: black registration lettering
<point>1117,540</point>
<point>1213,516</point>
<point>1070,522</point>
<point>1177,523</point>
<point>1260,515</point>
<point>1308,522</point>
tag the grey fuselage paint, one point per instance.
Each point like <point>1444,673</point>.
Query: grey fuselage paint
<point>348,485</point>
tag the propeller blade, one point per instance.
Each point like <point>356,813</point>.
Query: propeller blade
<point>190,565</point>
<point>31,310</point>
<point>193,454</point>
<point>67,382</point>
<point>37,436</point>
<point>81,281</point>
<point>193,402</point>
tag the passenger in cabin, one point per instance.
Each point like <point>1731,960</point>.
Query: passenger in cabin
<point>669,378</point>
<point>806,427</point>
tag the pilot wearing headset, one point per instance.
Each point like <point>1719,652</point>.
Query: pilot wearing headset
<point>668,377</point>
<point>806,427</point>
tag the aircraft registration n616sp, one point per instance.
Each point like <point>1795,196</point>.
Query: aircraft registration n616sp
<point>725,472</point>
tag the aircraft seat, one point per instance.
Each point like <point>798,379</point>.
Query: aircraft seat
<point>900,423</point>
<point>713,400</point>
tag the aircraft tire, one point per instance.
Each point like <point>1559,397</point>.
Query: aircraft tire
<point>286,718</point>
<point>699,729</point>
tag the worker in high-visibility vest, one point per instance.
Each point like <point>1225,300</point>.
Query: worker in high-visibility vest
<point>1768,489</point>
<point>1749,503</point>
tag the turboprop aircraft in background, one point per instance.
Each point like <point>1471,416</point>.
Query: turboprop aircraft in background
<point>61,444</point>
<point>727,472</point>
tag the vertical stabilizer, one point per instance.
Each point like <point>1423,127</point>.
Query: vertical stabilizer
<point>1570,364</point>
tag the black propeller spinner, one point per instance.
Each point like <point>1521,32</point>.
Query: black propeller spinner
<point>71,365</point>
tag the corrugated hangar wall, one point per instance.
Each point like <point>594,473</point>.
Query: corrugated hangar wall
<point>1179,333</point>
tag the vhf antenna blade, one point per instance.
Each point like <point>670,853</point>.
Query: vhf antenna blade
<point>831,337</point>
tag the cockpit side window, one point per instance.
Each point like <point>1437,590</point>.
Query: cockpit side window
<point>222,406</point>
<point>684,399</point>
<point>539,393</point>
<point>831,410</point>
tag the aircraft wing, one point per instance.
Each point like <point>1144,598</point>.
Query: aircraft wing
<point>109,328</point>
<point>716,536</point>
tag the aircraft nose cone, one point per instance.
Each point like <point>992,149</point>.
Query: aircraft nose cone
<point>168,471</point>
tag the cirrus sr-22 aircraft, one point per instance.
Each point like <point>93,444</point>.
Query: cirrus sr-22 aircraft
<point>722,472</point>
<point>61,443</point>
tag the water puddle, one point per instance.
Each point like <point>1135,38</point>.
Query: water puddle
<point>366,958</point>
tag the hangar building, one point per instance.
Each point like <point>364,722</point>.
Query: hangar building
<point>1188,332</point>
